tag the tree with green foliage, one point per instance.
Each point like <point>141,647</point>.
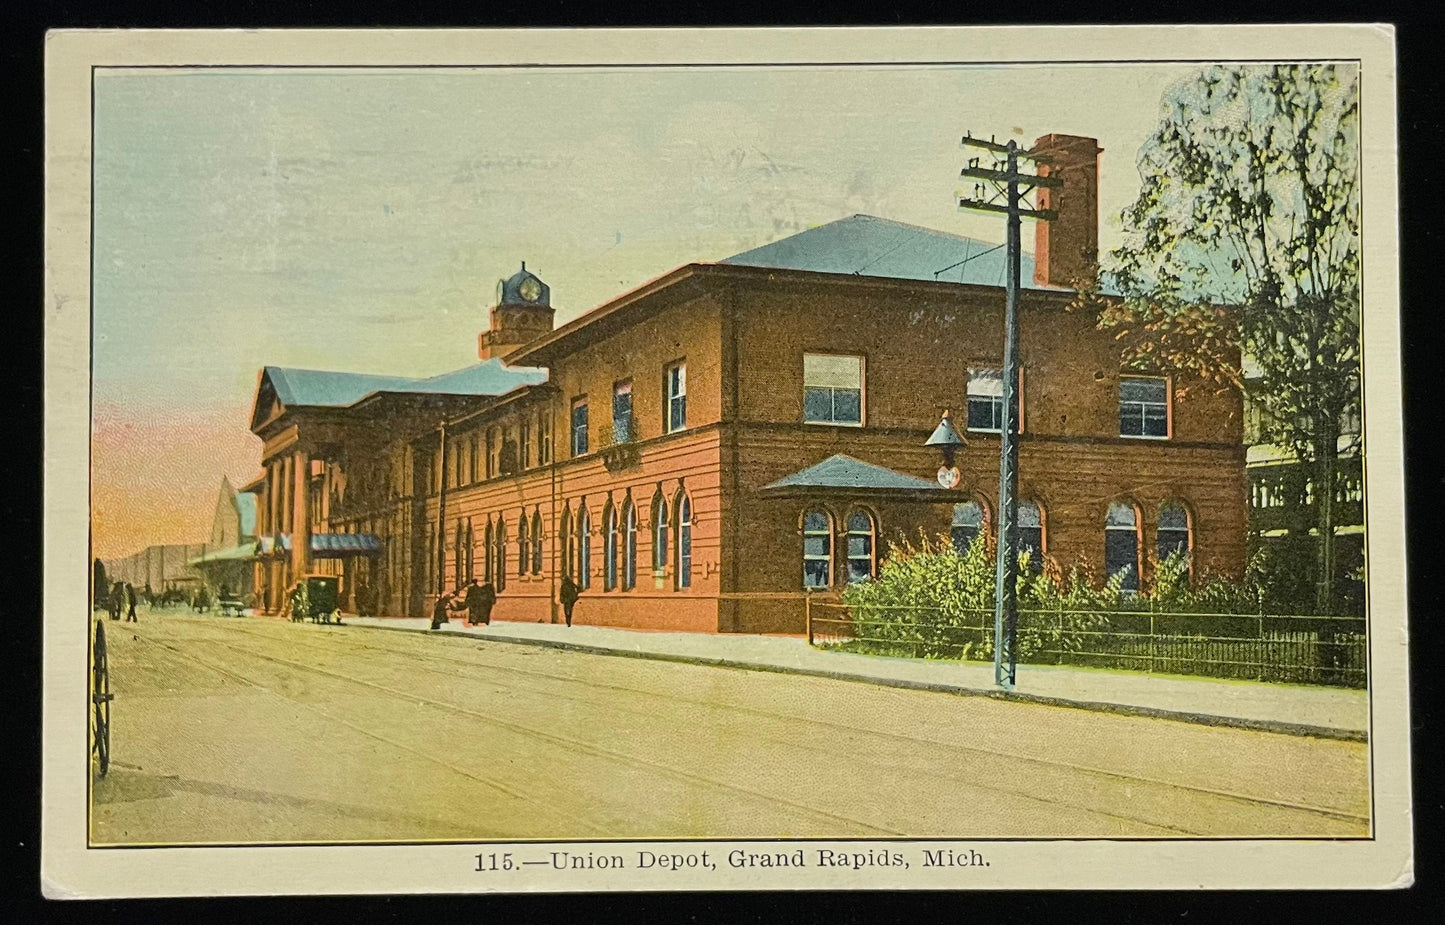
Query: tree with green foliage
<point>1240,266</point>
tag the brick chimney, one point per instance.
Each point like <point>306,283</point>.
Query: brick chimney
<point>1066,248</point>
<point>522,314</point>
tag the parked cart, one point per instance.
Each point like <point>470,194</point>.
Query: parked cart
<point>318,598</point>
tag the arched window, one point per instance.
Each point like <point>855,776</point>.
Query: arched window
<point>611,548</point>
<point>537,541</point>
<point>487,553</point>
<point>683,508</point>
<point>817,549</point>
<point>584,546</point>
<point>861,562</point>
<point>1031,533</point>
<point>1121,544</point>
<point>566,540</point>
<point>629,548</point>
<point>458,555</point>
<point>501,573</point>
<point>471,558</point>
<point>1173,534</point>
<point>659,534</point>
<point>524,552</point>
<point>968,523</point>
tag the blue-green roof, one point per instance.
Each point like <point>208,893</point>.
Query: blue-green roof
<point>246,509</point>
<point>323,388</point>
<point>864,245</point>
<point>842,471</point>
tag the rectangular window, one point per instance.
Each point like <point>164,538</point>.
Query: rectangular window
<point>832,389</point>
<point>579,427</point>
<point>985,399</point>
<point>544,438</point>
<point>622,412</point>
<point>675,395</point>
<point>1144,408</point>
<point>526,445</point>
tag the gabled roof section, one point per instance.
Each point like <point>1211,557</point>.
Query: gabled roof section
<point>315,388</point>
<point>864,245</point>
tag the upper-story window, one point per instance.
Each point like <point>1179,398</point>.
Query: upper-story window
<point>525,444</point>
<point>1144,407</point>
<point>494,453</point>
<point>832,389</point>
<point>544,438</point>
<point>985,399</point>
<point>622,412</point>
<point>675,397</point>
<point>579,427</point>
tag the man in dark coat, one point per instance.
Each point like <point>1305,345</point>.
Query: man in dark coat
<point>480,598</point>
<point>441,611</point>
<point>569,594</point>
<point>130,603</point>
<point>117,600</point>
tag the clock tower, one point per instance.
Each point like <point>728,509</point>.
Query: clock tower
<point>522,314</point>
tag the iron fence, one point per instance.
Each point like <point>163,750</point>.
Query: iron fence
<point>1259,647</point>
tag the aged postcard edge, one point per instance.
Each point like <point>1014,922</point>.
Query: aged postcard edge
<point>70,869</point>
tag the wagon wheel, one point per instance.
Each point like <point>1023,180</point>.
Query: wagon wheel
<point>100,698</point>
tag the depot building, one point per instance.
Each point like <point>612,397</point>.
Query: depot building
<point>701,451</point>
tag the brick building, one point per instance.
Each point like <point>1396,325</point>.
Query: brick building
<point>701,450</point>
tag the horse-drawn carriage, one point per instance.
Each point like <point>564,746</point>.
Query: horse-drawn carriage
<point>317,597</point>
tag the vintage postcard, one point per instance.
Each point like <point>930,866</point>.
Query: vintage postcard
<point>513,461</point>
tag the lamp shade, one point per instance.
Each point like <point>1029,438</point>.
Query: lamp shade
<point>946,435</point>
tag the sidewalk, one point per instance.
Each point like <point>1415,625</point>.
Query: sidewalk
<point>1337,713</point>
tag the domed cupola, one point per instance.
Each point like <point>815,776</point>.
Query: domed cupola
<point>523,288</point>
<point>523,313</point>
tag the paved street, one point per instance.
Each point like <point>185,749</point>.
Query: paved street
<point>257,730</point>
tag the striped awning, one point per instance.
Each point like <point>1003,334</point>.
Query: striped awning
<point>344,545</point>
<point>323,545</point>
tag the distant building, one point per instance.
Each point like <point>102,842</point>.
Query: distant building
<point>700,452</point>
<point>226,562</point>
<point>161,568</point>
<point>1284,512</point>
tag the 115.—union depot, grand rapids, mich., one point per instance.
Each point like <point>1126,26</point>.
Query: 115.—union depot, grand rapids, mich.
<point>701,451</point>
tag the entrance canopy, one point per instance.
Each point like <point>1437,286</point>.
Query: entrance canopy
<point>244,552</point>
<point>344,545</point>
<point>844,476</point>
<point>323,545</point>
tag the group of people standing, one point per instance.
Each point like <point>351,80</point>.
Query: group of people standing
<point>122,600</point>
<point>475,600</point>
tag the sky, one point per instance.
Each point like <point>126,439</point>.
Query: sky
<point>359,220</point>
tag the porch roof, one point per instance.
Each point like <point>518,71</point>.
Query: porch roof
<point>841,475</point>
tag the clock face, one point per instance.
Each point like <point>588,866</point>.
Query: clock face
<point>530,289</point>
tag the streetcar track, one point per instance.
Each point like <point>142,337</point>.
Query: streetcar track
<point>1335,814</point>
<point>933,774</point>
<point>565,742</point>
<point>250,682</point>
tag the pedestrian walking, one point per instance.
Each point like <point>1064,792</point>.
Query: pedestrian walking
<point>441,611</point>
<point>569,594</point>
<point>480,598</point>
<point>116,604</point>
<point>130,603</point>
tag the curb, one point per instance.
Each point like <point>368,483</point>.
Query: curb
<point>1099,706</point>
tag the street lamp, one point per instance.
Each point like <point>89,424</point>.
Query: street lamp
<point>946,437</point>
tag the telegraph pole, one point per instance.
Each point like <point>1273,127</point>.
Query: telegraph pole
<point>1005,182</point>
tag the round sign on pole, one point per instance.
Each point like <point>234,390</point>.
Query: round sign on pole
<point>949,476</point>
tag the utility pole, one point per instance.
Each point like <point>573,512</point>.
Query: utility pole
<point>1002,180</point>
<point>441,562</point>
